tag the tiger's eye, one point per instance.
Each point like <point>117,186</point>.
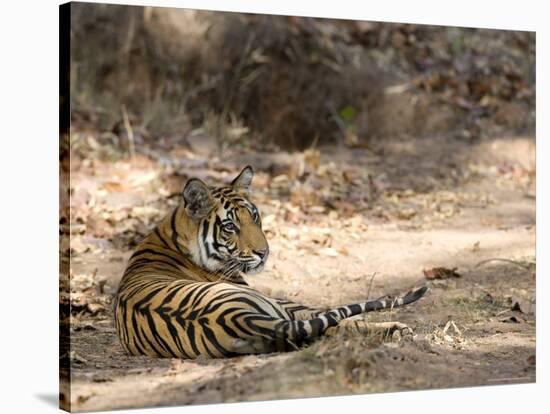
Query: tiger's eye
<point>230,227</point>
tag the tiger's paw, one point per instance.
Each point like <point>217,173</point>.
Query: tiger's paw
<point>402,332</point>
<point>248,346</point>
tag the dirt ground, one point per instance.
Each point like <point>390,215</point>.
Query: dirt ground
<point>344,224</point>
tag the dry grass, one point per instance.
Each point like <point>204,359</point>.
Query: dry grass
<point>478,308</point>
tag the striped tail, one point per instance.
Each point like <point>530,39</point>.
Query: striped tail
<point>292,334</point>
<point>409,297</point>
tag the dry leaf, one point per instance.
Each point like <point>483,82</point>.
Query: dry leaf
<point>343,251</point>
<point>440,273</point>
<point>114,186</point>
<point>406,213</point>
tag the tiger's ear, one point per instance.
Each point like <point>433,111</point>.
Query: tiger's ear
<point>244,179</point>
<point>197,199</point>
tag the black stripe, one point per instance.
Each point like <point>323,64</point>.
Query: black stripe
<point>204,236</point>
<point>355,309</point>
<point>250,322</point>
<point>173,291</point>
<point>332,321</point>
<point>160,340</point>
<point>149,342</point>
<point>190,335</point>
<point>173,331</point>
<point>252,304</point>
<point>220,320</point>
<point>202,291</point>
<point>301,329</point>
<point>137,341</point>
<point>317,326</point>
<point>138,306</point>
<point>373,305</point>
<point>158,253</point>
<point>174,231</point>
<point>205,345</point>
<point>209,333</point>
<point>238,325</point>
<point>161,238</point>
<point>151,264</point>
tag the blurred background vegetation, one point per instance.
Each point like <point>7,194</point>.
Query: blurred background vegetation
<point>145,76</point>
<point>334,115</point>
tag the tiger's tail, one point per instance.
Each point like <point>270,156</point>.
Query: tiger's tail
<point>379,304</point>
<point>330,318</point>
<point>291,334</point>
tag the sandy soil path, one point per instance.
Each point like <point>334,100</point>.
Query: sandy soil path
<point>476,329</point>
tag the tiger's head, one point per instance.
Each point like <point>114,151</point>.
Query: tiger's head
<point>229,232</point>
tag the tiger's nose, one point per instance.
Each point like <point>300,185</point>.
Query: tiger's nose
<point>262,253</point>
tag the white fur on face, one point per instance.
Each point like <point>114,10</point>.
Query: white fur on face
<point>203,255</point>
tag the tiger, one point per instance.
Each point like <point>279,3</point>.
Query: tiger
<point>183,293</point>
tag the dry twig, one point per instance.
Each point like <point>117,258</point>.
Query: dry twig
<point>129,132</point>
<point>502,260</point>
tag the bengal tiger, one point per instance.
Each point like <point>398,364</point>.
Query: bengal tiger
<point>183,294</point>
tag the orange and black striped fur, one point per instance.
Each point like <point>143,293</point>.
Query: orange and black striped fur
<point>183,295</point>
